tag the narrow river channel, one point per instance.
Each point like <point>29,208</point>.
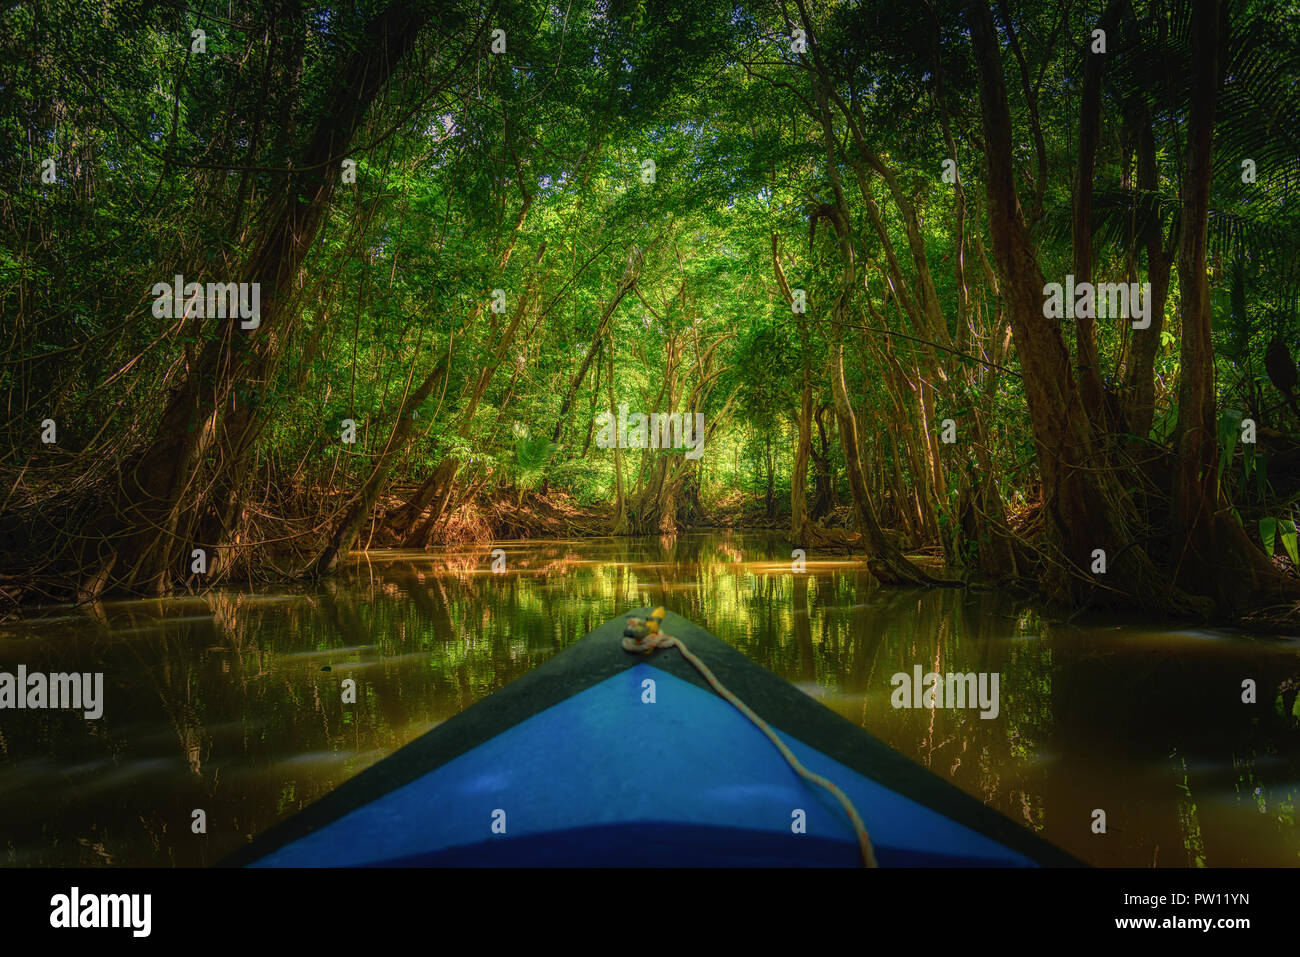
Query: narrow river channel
<point>231,703</point>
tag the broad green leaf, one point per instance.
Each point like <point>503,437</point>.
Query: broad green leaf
<point>1229,429</point>
<point>1288,536</point>
<point>1267,534</point>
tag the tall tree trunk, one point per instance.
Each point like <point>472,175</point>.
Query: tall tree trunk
<point>800,526</point>
<point>1088,361</point>
<point>887,563</point>
<point>619,525</point>
<point>769,467</point>
<point>1085,507</point>
<point>437,489</point>
<point>621,289</point>
<point>143,538</point>
<point>823,477</point>
<point>799,476</point>
<point>1214,555</point>
<point>1139,379</point>
<point>358,510</point>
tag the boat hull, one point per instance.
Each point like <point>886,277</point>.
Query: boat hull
<point>604,758</point>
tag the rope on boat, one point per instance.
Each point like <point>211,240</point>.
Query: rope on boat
<point>643,637</point>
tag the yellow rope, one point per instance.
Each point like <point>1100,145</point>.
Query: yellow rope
<point>643,637</point>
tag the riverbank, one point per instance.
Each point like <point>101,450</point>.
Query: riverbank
<point>279,538</point>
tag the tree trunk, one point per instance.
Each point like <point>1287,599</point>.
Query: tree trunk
<point>1086,508</point>
<point>887,563</point>
<point>142,540</point>
<point>823,476</point>
<point>363,502</point>
<point>1214,554</point>
<point>1089,128</point>
<point>437,489</point>
<point>799,477</point>
<point>621,289</point>
<point>619,525</point>
<point>1139,379</point>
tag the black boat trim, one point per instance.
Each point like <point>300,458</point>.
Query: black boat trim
<point>599,656</point>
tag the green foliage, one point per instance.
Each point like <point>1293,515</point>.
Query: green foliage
<point>531,458</point>
<point>523,172</point>
<point>1273,531</point>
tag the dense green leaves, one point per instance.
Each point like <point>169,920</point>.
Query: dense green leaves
<point>646,152</point>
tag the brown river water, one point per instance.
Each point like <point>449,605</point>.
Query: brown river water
<point>231,702</point>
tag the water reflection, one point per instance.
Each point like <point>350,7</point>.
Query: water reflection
<point>232,702</point>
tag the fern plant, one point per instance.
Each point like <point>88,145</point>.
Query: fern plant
<point>532,456</point>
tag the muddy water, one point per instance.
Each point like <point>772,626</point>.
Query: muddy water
<point>231,703</point>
